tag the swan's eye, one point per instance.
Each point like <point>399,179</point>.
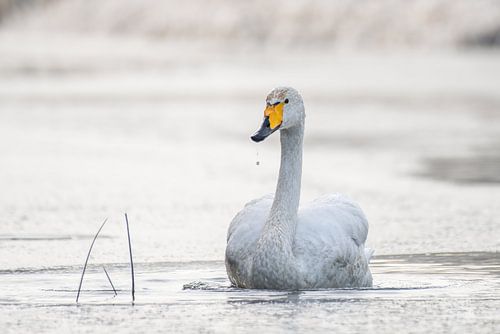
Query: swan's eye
<point>286,101</point>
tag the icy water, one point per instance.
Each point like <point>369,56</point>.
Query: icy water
<point>123,126</point>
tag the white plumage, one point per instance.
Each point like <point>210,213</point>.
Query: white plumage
<point>274,244</point>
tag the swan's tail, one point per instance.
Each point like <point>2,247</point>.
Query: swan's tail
<point>369,253</point>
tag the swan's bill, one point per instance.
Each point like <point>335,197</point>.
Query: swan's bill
<point>273,117</point>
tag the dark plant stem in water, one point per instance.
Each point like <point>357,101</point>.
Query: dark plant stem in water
<point>87,259</point>
<point>131,261</point>
<point>109,279</point>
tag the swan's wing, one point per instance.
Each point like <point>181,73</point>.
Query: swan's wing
<point>251,219</point>
<point>242,236</point>
<point>335,216</point>
<point>331,233</point>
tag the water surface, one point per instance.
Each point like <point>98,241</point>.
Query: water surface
<point>413,138</point>
<point>411,293</point>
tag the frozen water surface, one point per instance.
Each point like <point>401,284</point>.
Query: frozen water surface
<point>124,126</point>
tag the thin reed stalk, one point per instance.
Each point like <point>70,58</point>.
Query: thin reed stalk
<point>109,279</point>
<point>87,259</point>
<point>131,261</point>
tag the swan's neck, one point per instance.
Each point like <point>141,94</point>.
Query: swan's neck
<point>273,263</point>
<point>287,197</point>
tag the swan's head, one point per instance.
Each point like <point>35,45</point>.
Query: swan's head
<point>284,110</point>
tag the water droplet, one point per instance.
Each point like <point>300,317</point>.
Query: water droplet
<point>257,161</point>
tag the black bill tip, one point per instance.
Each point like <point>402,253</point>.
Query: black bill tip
<point>258,137</point>
<point>264,131</point>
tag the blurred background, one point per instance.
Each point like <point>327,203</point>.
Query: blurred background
<point>146,107</point>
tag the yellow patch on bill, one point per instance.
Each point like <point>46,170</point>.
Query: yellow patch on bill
<point>275,114</point>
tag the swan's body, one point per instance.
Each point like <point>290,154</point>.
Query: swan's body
<point>274,244</point>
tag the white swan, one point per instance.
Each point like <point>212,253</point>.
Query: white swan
<point>272,244</point>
